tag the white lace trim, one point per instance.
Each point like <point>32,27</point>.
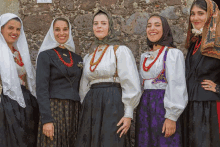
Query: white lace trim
<point>197,32</point>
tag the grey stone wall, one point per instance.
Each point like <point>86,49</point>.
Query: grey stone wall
<point>7,6</point>
<point>130,18</point>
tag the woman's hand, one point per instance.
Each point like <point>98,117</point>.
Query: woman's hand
<point>125,127</point>
<point>169,127</point>
<point>48,130</point>
<point>208,85</point>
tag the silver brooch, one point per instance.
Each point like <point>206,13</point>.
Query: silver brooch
<point>149,55</point>
<point>80,64</point>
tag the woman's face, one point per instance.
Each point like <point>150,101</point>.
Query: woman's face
<point>154,29</point>
<point>100,26</point>
<point>61,31</point>
<point>11,31</point>
<point>198,17</point>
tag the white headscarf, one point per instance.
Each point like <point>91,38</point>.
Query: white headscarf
<point>9,76</point>
<point>50,41</point>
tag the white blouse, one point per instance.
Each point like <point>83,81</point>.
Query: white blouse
<point>176,97</point>
<point>127,75</point>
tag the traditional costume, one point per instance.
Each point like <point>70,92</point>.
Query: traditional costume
<point>58,77</point>
<point>200,121</point>
<point>19,114</point>
<point>109,90</point>
<point>165,94</point>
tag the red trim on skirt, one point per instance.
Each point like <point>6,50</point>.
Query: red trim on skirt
<point>218,111</point>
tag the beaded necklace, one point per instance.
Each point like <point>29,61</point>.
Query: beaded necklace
<point>61,59</point>
<point>18,61</point>
<point>98,61</point>
<point>150,65</point>
<point>196,47</point>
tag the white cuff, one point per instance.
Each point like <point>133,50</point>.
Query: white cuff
<point>129,112</point>
<point>171,116</point>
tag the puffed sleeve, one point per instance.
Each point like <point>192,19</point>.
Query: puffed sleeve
<point>42,87</point>
<point>129,80</point>
<point>176,97</point>
<point>84,83</point>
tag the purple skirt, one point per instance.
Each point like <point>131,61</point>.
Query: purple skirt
<point>149,122</point>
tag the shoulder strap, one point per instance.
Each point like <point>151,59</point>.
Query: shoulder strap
<point>164,61</point>
<point>116,71</point>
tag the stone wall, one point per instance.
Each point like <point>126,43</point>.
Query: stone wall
<point>7,6</point>
<point>130,18</point>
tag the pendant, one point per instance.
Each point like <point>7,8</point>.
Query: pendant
<point>65,55</point>
<point>151,57</point>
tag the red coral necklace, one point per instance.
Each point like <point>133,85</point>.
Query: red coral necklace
<point>18,61</point>
<point>150,65</point>
<point>61,59</point>
<point>98,61</point>
<point>196,47</point>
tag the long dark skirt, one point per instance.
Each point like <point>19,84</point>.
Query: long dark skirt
<point>200,124</point>
<point>18,126</point>
<point>66,117</point>
<point>102,109</point>
<point>149,122</point>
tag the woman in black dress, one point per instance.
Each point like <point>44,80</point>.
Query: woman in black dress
<point>19,114</point>
<point>109,89</point>
<point>58,76</point>
<point>200,121</point>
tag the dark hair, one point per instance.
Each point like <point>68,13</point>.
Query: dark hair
<point>153,15</point>
<point>100,13</point>
<point>200,3</point>
<point>16,18</point>
<point>61,19</point>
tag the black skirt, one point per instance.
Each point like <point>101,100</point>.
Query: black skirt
<point>18,126</point>
<point>200,124</point>
<point>102,109</point>
<point>66,118</point>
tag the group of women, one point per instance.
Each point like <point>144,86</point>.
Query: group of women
<point>75,102</point>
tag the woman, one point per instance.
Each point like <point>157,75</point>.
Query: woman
<point>19,114</point>
<point>58,76</point>
<point>165,95</point>
<point>200,121</point>
<point>109,89</point>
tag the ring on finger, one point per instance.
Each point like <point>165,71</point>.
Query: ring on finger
<point>210,86</point>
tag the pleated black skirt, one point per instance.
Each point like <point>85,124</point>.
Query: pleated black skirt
<point>18,126</point>
<point>102,109</point>
<point>200,124</point>
<point>66,118</point>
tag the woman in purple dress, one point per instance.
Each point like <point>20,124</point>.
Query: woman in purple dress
<point>165,95</point>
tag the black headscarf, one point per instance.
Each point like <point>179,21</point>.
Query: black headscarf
<point>111,38</point>
<point>167,37</point>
